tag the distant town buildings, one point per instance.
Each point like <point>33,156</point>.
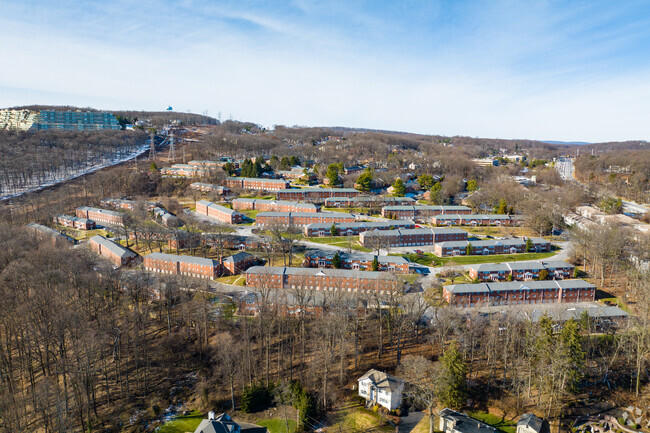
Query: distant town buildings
<point>56,119</point>
<point>257,183</point>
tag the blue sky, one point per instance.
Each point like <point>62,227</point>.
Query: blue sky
<point>556,70</point>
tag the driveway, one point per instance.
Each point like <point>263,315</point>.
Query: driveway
<point>408,423</point>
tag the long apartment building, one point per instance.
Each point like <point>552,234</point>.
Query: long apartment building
<point>356,261</point>
<point>476,220</point>
<point>76,120</point>
<point>315,194</point>
<point>521,271</point>
<point>115,253</point>
<point>210,187</point>
<point>367,201</point>
<point>411,237</point>
<point>516,292</point>
<point>74,222</point>
<point>321,279</point>
<point>257,183</point>
<point>490,246</point>
<point>219,212</point>
<point>422,212</point>
<point>21,120</point>
<point>121,203</point>
<point>353,229</point>
<point>102,216</point>
<point>45,231</point>
<point>302,218</point>
<point>172,264</point>
<point>273,205</point>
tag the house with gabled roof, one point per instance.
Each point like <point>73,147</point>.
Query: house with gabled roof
<point>381,388</point>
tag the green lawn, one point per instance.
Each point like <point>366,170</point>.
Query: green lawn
<point>84,234</point>
<point>182,423</point>
<point>278,425</point>
<point>501,423</point>
<point>237,280</point>
<point>430,259</point>
<point>340,242</point>
<point>356,419</point>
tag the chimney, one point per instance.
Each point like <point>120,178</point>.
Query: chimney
<point>211,415</point>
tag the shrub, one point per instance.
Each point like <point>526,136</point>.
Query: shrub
<point>621,421</point>
<point>255,398</point>
<point>375,408</point>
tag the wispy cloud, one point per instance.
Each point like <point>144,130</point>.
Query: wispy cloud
<point>501,68</point>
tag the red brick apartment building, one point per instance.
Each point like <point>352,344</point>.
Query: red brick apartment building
<point>302,218</point>
<point>367,201</point>
<point>221,213</point>
<point>273,205</point>
<point>197,267</point>
<point>119,203</point>
<point>315,194</point>
<point>422,212</point>
<point>525,271</point>
<point>411,237</point>
<point>257,183</point>
<point>475,220</point>
<point>115,253</point>
<point>356,261</point>
<point>239,262</point>
<point>515,292</point>
<point>46,232</point>
<point>353,229</point>
<point>74,222</point>
<point>101,216</point>
<point>321,279</point>
<point>490,246</point>
<point>210,187</point>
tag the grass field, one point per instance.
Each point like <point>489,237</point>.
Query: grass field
<point>501,423</point>
<point>237,280</point>
<point>356,418</point>
<point>182,424</point>
<point>429,259</point>
<point>278,425</point>
<point>84,234</point>
<point>340,242</point>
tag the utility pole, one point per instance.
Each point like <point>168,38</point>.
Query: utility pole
<point>152,147</point>
<point>172,151</point>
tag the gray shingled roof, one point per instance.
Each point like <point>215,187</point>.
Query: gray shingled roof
<point>357,256</point>
<point>368,224</point>
<point>183,259</point>
<point>114,248</point>
<point>341,273</point>
<point>517,285</point>
<point>382,380</point>
<point>307,214</point>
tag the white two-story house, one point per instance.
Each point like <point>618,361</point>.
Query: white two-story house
<point>380,388</point>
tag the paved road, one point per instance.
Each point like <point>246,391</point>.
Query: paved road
<point>407,423</point>
<point>565,167</point>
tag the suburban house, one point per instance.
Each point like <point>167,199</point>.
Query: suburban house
<point>302,218</point>
<point>224,424</point>
<point>273,205</point>
<point>410,237</point>
<point>356,261</point>
<point>257,183</point>
<point>342,280</point>
<point>219,212</point>
<point>116,253</point>
<point>518,292</point>
<point>531,423</point>
<point>381,388</point>
<point>525,271</point>
<point>456,422</point>
<point>354,228</point>
<point>315,194</point>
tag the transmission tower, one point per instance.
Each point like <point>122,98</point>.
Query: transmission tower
<point>152,148</point>
<point>172,151</point>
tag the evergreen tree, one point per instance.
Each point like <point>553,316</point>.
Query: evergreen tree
<point>333,230</point>
<point>472,186</point>
<point>333,174</point>
<point>364,181</point>
<point>502,207</point>
<point>229,168</point>
<point>294,160</point>
<point>336,261</point>
<point>285,163</point>
<point>452,381</point>
<point>399,189</point>
<point>468,250</point>
<point>426,181</point>
<point>375,264</point>
<point>529,245</point>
